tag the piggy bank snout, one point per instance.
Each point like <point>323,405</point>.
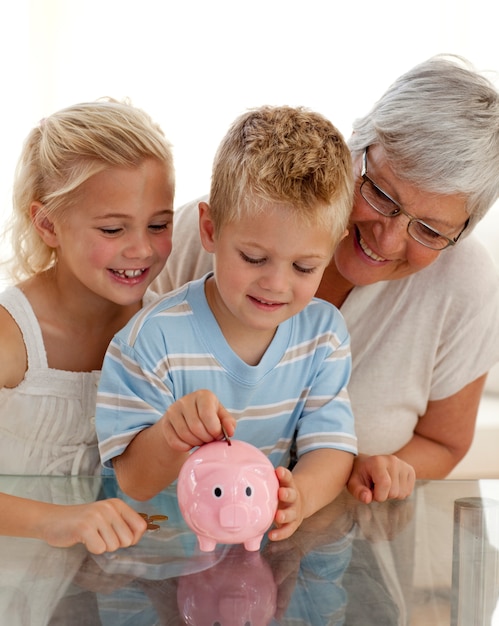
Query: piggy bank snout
<point>234,516</point>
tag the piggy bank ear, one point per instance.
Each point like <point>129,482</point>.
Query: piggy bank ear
<point>262,469</point>
<point>204,471</point>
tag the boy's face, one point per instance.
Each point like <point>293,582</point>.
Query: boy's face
<point>267,267</point>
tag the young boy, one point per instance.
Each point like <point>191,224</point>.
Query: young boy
<point>246,349</point>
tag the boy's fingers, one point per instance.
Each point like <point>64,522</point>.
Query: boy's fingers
<point>227,421</point>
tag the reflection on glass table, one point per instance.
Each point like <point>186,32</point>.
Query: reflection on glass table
<point>429,560</point>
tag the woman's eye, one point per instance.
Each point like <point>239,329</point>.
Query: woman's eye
<point>384,202</point>
<point>426,232</point>
<point>389,208</point>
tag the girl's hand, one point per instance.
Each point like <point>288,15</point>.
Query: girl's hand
<point>289,513</point>
<point>195,419</point>
<point>379,478</point>
<point>102,526</point>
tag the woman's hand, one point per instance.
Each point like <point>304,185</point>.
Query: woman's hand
<point>381,477</point>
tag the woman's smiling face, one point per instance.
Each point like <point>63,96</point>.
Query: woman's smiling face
<point>380,248</point>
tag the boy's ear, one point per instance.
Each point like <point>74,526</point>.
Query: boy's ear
<point>206,227</point>
<point>43,224</point>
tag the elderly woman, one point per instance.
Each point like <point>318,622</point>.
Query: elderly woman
<point>420,296</point>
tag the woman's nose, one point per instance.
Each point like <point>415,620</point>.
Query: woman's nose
<point>391,235</point>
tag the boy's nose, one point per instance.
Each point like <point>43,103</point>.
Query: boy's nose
<point>275,280</point>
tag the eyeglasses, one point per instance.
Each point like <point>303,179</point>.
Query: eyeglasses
<point>384,204</point>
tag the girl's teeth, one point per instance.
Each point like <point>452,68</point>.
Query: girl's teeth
<point>368,251</point>
<point>130,273</point>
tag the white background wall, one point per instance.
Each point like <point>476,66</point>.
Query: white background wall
<point>194,65</point>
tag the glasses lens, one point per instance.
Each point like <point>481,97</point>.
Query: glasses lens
<point>427,236</point>
<point>377,199</point>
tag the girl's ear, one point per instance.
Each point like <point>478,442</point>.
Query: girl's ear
<point>43,224</point>
<point>206,227</point>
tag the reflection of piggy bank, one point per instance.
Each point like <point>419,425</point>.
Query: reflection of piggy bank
<point>228,494</point>
<point>239,590</point>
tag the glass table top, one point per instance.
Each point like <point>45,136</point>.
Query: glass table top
<point>430,560</point>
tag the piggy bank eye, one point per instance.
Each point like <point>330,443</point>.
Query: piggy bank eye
<point>248,491</point>
<point>217,492</point>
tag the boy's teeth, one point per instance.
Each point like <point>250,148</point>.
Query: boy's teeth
<point>265,301</point>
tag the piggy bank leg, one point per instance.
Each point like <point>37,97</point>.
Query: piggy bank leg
<point>253,544</point>
<point>206,544</point>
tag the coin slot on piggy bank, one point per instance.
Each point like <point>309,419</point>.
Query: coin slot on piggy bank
<point>228,494</point>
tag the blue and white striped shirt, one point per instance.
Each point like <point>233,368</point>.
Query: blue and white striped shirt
<point>297,392</point>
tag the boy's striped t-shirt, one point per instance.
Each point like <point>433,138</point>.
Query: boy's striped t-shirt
<point>297,392</point>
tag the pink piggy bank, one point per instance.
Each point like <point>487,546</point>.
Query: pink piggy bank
<point>227,493</point>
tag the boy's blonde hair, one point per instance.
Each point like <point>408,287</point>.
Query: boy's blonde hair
<point>286,155</point>
<point>63,152</point>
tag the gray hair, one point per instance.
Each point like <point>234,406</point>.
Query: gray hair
<point>438,125</point>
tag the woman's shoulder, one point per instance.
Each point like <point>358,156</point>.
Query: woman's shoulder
<point>467,272</point>
<point>469,255</point>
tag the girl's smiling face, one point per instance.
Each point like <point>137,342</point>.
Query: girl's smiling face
<point>378,247</point>
<point>117,236</point>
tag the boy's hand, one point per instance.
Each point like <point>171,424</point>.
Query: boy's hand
<point>379,478</point>
<point>195,419</point>
<point>102,526</point>
<point>289,513</point>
